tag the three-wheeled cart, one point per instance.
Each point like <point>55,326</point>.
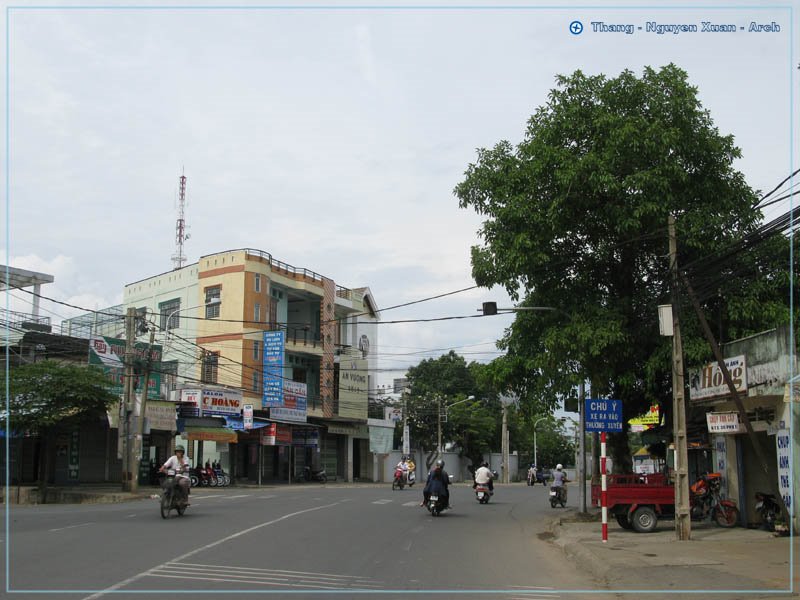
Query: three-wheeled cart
<point>637,501</point>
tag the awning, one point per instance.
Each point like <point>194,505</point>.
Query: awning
<point>210,434</point>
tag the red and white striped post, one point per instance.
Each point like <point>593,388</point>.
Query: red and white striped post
<point>603,499</point>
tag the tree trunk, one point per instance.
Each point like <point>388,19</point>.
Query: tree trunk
<point>620,453</point>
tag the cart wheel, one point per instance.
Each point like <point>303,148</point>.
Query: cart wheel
<point>644,519</point>
<point>622,519</point>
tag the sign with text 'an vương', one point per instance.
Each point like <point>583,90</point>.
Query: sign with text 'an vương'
<point>603,414</point>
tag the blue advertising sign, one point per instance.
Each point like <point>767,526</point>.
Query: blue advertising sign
<point>274,342</point>
<point>603,415</point>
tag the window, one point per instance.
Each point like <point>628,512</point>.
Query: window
<point>170,319</point>
<point>169,375</point>
<point>210,367</point>
<point>255,381</point>
<point>257,313</point>
<point>258,282</point>
<point>213,300</point>
<point>273,313</point>
<point>256,347</point>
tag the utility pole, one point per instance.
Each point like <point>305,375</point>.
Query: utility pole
<point>139,412</point>
<point>683,523</point>
<point>128,397</point>
<point>439,434</point>
<point>582,447</point>
<point>504,440</point>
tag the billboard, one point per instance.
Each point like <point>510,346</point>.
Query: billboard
<point>708,382</point>
<point>211,402</point>
<point>274,343</point>
<point>108,353</point>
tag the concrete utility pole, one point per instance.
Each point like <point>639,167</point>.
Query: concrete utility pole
<point>683,522</point>
<point>504,439</point>
<point>582,447</point>
<point>139,412</point>
<point>128,397</point>
<point>439,434</point>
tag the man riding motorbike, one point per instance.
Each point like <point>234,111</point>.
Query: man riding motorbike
<point>180,464</point>
<point>437,484</point>
<point>483,476</point>
<point>560,481</point>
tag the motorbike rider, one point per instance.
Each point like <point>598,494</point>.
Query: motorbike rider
<point>412,467</point>
<point>403,466</point>
<point>180,464</point>
<point>483,476</point>
<point>532,473</point>
<point>560,481</point>
<point>438,483</point>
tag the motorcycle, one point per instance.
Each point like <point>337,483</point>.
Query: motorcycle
<point>310,474</point>
<point>706,501</point>
<point>399,481</point>
<point>223,478</point>
<point>558,495</point>
<point>171,497</point>
<point>531,476</point>
<point>436,505</point>
<point>411,478</point>
<point>482,493</point>
<point>768,509</point>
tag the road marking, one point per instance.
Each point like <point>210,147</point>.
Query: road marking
<point>412,503</point>
<point>72,526</point>
<point>240,496</point>
<point>130,516</point>
<point>233,536</point>
<point>382,502</point>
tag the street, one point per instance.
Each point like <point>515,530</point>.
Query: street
<point>306,537</point>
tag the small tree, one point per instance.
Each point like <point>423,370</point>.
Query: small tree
<point>48,398</point>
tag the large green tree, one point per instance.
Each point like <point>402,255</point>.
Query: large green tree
<point>48,398</point>
<point>576,219</point>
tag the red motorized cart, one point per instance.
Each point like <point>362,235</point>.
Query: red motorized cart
<point>637,501</point>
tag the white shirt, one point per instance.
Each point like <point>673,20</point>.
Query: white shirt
<point>175,464</point>
<point>483,475</point>
<point>402,465</point>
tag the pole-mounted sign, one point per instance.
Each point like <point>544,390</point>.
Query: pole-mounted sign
<point>603,415</point>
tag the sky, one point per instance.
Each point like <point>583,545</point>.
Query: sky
<point>330,136</point>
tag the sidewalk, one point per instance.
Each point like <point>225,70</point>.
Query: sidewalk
<point>745,558</point>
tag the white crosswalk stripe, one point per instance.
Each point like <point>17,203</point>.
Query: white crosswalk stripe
<point>382,502</point>
<point>266,577</point>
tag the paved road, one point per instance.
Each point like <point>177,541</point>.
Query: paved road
<point>301,538</point>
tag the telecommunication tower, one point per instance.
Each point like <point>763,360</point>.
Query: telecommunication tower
<point>179,258</point>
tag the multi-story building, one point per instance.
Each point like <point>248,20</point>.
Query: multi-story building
<point>217,315</point>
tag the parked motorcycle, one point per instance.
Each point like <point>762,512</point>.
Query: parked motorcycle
<point>310,474</point>
<point>171,497</point>
<point>768,509</point>
<point>558,495</point>
<point>223,478</point>
<point>706,501</point>
<point>436,505</point>
<point>482,493</point>
<point>399,481</point>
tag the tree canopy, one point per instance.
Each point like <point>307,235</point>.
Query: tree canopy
<point>576,219</point>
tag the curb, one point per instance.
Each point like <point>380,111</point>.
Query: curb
<point>584,558</point>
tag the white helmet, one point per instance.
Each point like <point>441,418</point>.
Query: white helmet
<point>559,467</point>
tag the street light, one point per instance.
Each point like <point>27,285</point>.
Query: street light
<point>439,433</point>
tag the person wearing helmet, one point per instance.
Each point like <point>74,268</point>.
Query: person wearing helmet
<point>484,476</point>
<point>180,464</point>
<point>560,481</point>
<point>403,466</point>
<point>437,483</point>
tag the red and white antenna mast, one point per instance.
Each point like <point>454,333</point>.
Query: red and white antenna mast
<point>179,258</point>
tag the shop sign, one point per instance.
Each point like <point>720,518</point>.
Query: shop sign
<point>305,436</point>
<point>783,441</point>
<point>727,422</point>
<point>160,415</point>
<point>248,416</point>
<point>647,421</point>
<point>294,395</point>
<point>275,434</point>
<point>191,396</point>
<point>393,413</point>
<point>341,430</point>
<point>287,414</point>
<point>74,454</point>
<point>221,402</point>
<point>720,446</point>
<point>274,343</point>
<point>709,382</point>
